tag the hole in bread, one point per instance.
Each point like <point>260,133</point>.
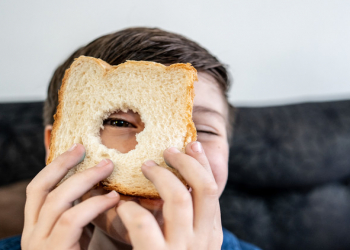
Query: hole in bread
<point>120,129</point>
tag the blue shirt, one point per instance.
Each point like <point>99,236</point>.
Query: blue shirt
<point>230,243</point>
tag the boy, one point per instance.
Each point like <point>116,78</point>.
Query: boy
<point>101,220</point>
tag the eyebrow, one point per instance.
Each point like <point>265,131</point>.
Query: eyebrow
<point>202,109</point>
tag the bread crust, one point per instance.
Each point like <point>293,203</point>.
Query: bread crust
<point>58,116</point>
<point>191,134</point>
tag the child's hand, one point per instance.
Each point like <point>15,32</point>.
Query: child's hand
<point>191,220</point>
<point>51,221</point>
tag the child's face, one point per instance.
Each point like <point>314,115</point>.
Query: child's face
<point>209,116</point>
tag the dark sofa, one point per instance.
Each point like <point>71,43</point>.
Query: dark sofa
<point>289,173</point>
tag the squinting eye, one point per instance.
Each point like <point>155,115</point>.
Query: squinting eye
<point>206,132</point>
<point>118,123</point>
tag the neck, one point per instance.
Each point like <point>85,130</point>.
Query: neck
<point>100,241</point>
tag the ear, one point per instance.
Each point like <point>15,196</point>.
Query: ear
<point>47,139</point>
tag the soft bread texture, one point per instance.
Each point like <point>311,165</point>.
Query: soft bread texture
<point>92,90</point>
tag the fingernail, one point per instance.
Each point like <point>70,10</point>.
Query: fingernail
<point>149,163</point>
<point>73,147</point>
<point>167,163</point>
<point>83,157</point>
<point>197,147</point>
<point>102,163</point>
<point>112,194</point>
<point>174,150</point>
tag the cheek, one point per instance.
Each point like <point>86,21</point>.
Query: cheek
<point>217,154</point>
<point>121,141</point>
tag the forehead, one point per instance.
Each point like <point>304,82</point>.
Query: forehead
<point>208,95</point>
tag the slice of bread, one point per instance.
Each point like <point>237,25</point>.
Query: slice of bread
<point>92,90</point>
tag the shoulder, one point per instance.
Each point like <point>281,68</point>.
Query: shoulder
<point>232,243</point>
<point>12,243</point>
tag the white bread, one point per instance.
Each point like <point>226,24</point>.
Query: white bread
<point>92,89</point>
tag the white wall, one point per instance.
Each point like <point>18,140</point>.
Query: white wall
<point>278,51</point>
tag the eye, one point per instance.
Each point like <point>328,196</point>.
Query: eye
<point>206,132</point>
<point>118,123</point>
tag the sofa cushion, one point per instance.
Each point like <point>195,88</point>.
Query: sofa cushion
<point>289,177</point>
<point>22,153</point>
<point>291,146</point>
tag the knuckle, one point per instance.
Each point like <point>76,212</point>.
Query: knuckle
<point>210,188</point>
<point>66,220</point>
<point>30,188</point>
<point>181,198</point>
<point>89,174</point>
<point>62,163</point>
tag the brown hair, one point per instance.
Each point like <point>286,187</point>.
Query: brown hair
<point>146,44</point>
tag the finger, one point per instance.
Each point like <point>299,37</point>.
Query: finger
<point>70,225</point>
<point>177,207</point>
<point>194,169</point>
<point>142,227</point>
<point>62,198</point>
<point>47,179</point>
<point>195,150</point>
